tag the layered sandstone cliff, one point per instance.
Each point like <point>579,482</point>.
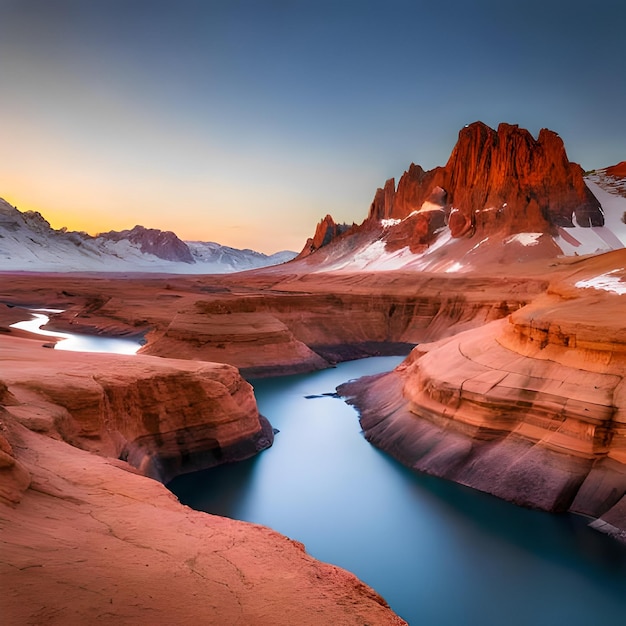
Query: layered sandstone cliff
<point>531,408</point>
<point>164,416</point>
<point>256,342</point>
<point>276,322</point>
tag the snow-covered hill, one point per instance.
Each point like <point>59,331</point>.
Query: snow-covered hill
<point>29,243</point>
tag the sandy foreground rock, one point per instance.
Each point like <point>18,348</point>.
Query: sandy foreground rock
<point>165,416</point>
<point>92,543</point>
<point>87,539</point>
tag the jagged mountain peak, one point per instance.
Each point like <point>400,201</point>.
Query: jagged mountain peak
<point>501,188</point>
<point>161,243</point>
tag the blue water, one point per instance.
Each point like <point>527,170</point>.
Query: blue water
<point>439,553</point>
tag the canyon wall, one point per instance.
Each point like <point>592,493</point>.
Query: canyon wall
<point>310,321</point>
<point>272,323</point>
<point>164,416</point>
<point>531,408</point>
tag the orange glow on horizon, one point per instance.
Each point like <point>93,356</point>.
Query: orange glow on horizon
<point>185,226</point>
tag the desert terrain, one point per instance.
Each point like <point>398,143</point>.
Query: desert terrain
<point>503,276</point>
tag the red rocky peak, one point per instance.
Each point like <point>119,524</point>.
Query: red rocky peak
<point>325,232</point>
<point>618,171</point>
<point>503,181</point>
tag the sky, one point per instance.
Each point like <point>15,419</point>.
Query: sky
<point>246,121</point>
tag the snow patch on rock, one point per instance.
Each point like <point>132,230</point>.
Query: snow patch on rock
<point>605,282</point>
<point>526,239</point>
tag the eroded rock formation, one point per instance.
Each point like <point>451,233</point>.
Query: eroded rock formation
<point>256,342</point>
<point>164,416</point>
<point>93,542</point>
<point>530,408</point>
<point>325,232</point>
<point>619,170</point>
<point>496,182</point>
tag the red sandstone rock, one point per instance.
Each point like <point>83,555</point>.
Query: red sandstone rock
<point>14,477</point>
<point>256,342</point>
<point>165,416</point>
<point>618,170</point>
<point>495,183</point>
<point>325,232</point>
<point>92,543</point>
<point>382,205</point>
<point>531,409</point>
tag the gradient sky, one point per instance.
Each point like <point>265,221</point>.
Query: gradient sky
<point>245,122</point>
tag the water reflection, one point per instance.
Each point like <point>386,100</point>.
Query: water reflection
<point>76,342</point>
<point>441,554</point>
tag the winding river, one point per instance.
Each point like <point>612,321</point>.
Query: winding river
<point>73,341</point>
<point>441,554</point>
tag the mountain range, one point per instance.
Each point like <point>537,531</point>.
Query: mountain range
<point>29,243</point>
<point>503,197</point>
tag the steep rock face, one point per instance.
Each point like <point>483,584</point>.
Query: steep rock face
<point>163,244</point>
<point>382,205</point>
<point>531,408</point>
<point>504,179</point>
<point>325,232</point>
<point>164,416</point>
<point>93,542</point>
<point>618,170</point>
<point>500,182</point>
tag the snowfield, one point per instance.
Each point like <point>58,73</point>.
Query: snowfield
<point>605,282</point>
<point>28,243</point>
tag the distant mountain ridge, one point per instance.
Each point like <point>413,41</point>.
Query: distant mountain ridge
<point>29,243</point>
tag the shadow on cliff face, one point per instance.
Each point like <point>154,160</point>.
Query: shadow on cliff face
<point>165,455</point>
<point>236,482</point>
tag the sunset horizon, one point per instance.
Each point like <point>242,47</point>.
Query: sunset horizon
<point>246,123</point>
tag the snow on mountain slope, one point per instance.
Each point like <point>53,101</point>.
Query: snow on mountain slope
<point>368,251</point>
<point>210,254</point>
<point>611,236</point>
<point>28,243</point>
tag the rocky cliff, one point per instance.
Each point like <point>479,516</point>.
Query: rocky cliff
<point>165,417</point>
<point>496,183</point>
<point>530,408</point>
<point>325,232</point>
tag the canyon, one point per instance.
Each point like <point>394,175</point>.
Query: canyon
<point>502,273</point>
<point>83,436</point>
